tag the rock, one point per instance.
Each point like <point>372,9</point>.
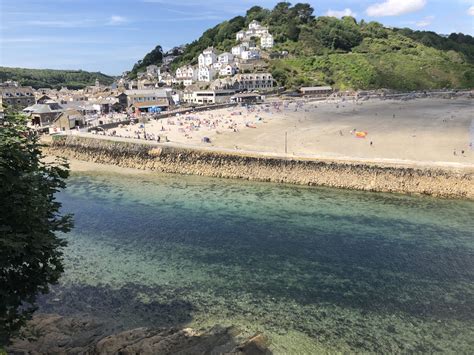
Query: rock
<point>54,334</point>
<point>256,345</point>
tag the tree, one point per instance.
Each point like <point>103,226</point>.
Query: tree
<point>293,31</point>
<point>30,250</point>
<point>279,13</point>
<point>257,13</point>
<point>154,57</point>
<point>303,12</point>
<point>280,76</point>
<point>338,34</point>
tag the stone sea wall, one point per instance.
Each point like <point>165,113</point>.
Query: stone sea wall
<point>358,176</point>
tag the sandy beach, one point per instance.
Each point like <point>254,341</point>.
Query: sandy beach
<point>422,130</point>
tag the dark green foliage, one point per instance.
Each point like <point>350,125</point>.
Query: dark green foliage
<point>337,34</point>
<point>55,79</point>
<point>155,57</point>
<point>257,13</point>
<point>280,76</point>
<point>30,251</point>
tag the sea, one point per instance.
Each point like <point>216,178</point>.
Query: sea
<point>317,270</point>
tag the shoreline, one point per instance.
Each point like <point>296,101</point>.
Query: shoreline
<point>447,180</point>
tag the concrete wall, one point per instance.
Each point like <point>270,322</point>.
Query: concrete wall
<point>357,176</point>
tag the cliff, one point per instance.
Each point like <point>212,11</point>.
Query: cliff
<point>441,182</point>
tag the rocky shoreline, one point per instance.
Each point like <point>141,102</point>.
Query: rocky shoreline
<point>366,176</point>
<point>55,334</point>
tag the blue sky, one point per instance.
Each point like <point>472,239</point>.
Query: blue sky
<point>111,35</point>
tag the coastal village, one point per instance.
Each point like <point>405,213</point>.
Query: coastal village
<point>218,78</point>
<point>223,93</point>
<point>292,181</point>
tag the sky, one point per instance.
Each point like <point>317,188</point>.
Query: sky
<point>111,35</point>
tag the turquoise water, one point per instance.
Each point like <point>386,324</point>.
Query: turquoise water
<point>314,269</point>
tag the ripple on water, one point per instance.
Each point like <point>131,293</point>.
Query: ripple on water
<point>316,269</point>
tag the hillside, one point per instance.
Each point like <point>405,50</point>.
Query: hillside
<point>154,57</point>
<point>346,53</point>
<point>49,78</point>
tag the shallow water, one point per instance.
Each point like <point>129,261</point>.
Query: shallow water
<point>315,269</point>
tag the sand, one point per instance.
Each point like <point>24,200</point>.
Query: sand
<point>421,130</point>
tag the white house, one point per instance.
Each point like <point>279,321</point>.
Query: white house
<point>255,81</point>
<point>187,75</point>
<point>237,50</point>
<point>218,65</point>
<point>225,58</point>
<point>255,29</point>
<point>266,41</point>
<point>181,72</point>
<point>228,70</point>
<point>208,96</point>
<point>208,57</point>
<point>250,54</point>
<point>186,72</point>
<point>206,74</point>
<point>254,25</point>
<point>240,35</point>
<point>242,47</point>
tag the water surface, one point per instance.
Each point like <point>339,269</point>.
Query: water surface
<point>315,269</point>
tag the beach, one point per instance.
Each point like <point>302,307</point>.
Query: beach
<point>423,130</point>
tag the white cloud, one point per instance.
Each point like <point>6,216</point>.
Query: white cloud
<point>342,13</point>
<point>425,21</point>
<point>470,11</point>
<point>117,20</point>
<point>395,7</point>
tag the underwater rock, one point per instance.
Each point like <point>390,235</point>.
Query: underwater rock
<point>54,334</point>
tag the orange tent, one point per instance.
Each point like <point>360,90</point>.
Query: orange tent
<point>361,134</point>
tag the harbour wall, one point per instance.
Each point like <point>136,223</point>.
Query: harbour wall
<point>440,182</point>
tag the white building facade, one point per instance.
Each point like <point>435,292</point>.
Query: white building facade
<point>255,29</point>
<point>208,57</point>
<point>206,74</point>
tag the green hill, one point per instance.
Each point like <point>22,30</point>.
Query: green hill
<point>346,53</point>
<point>49,78</point>
<point>153,57</point>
